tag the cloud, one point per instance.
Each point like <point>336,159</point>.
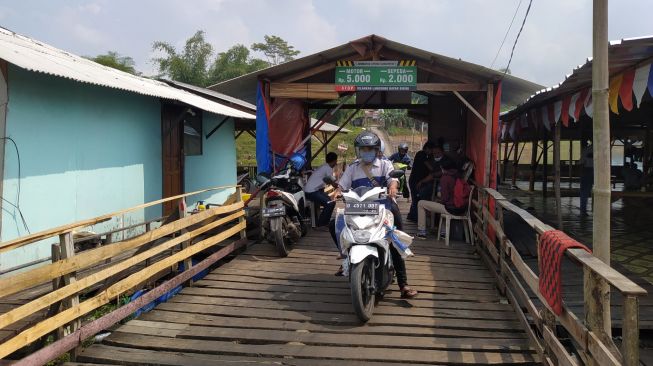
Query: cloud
<point>89,35</point>
<point>91,8</point>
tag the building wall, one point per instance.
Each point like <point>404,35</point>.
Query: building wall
<point>84,151</point>
<point>217,164</point>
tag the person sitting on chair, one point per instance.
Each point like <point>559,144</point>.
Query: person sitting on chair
<point>445,204</point>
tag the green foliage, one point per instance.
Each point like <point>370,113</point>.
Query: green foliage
<point>115,60</point>
<point>234,62</point>
<point>191,65</point>
<point>195,65</point>
<point>276,50</point>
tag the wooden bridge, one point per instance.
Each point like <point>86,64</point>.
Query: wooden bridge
<point>477,304</point>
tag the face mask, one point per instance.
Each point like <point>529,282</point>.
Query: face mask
<point>368,156</point>
<point>438,159</point>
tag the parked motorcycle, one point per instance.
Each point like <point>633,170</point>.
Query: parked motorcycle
<point>284,206</point>
<point>365,228</point>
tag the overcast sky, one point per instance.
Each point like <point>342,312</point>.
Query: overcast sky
<point>555,39</point>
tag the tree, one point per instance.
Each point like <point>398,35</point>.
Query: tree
<point>190,66</point>
<point>115,60</point>
<point>276,50</point>
<point>234,62</point>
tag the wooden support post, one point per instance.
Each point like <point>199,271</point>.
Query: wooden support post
<point>630,332</point>
<point>531,180</point>
<point>556,172</point>
<point>243,232</point>
<point>601,149</point>
<point>545,163</point>
<point>68,251</point>
<point>571,162</point>
<point>595,298</point>
<point>188,262</point>
<point>515,163</point>
<point>506,158</point>
<point>261,232</point>
<point>488,134</point>
<point>56,284</point>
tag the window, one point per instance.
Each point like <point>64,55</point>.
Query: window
<point>193,134</point>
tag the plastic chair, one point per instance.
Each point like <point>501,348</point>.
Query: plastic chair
<point>466,219</point>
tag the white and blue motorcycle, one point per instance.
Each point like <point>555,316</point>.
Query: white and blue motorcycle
<point>365,231</point>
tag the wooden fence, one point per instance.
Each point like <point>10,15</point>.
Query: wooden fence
<point>591,342</point>
<point>143,260</point>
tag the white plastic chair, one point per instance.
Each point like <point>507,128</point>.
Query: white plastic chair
<point>466,219</point>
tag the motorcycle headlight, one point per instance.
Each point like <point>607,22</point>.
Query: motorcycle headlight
<point>362,236</point>
<point>360,222</point>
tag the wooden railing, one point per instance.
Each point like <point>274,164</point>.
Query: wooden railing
<point>591,342</point>
<point>148,256</point>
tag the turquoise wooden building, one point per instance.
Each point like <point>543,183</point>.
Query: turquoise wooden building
<point>79,140</point>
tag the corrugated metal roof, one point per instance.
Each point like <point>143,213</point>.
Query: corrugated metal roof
<point>213,94</point>
<point>622,54</point>
<point>515,90</point>
<point>36,56</point>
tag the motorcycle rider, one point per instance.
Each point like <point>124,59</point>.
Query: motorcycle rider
<point>370,171</point>
<point>401,156</point>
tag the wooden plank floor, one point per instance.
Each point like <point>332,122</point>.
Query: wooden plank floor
<point>261,309</point>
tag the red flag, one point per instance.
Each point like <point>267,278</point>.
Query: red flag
<point>565,110</point>
<point>626,89</point>
<point>580,103</point>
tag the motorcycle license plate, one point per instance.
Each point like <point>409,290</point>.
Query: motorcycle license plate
<point>274,211</point>
<point>361,208</point>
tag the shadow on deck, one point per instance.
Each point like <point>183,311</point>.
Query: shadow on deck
<point>261,309</point>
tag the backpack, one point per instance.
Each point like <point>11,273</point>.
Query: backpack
<point>461,193</point>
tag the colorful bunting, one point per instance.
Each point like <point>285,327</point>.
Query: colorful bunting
<point>580,103</point>
<point>588,105</point>
<point>626,89</point>
<point>640,82</point>
<point>557,109</point>
<point>566,101</point>
<point>613,97</point>
<point>572,106</point>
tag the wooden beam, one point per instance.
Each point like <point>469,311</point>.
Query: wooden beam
<point>470,107</point>
<point>557,173</point>
<point>470,87</point>
<point>25,240</point>
<point>21,281</point>
<point>534,160</point>
<point>31,334</point>
<point>303,90</point>
<point>488,133</point>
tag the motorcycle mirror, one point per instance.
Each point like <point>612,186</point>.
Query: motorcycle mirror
<point>397,173</point>
<point>328,180</point>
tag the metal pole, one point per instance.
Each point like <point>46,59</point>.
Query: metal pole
<point>601,146</point>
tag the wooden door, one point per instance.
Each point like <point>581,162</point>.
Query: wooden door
<point>173,157</point>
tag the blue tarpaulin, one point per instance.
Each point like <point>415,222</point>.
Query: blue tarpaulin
<point>263,158</point>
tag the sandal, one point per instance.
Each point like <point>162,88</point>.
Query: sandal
<point>340,272</point>
<point>408,293</point>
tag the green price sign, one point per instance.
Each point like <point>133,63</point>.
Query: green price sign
<point>376,75</point>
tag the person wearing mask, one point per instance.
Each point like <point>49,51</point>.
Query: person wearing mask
<point>422,167</point>
<point>401,156</point>
<point>427,187</point>
<point>444,204</point>
<point>314,189</point>
<point>370,171</point>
